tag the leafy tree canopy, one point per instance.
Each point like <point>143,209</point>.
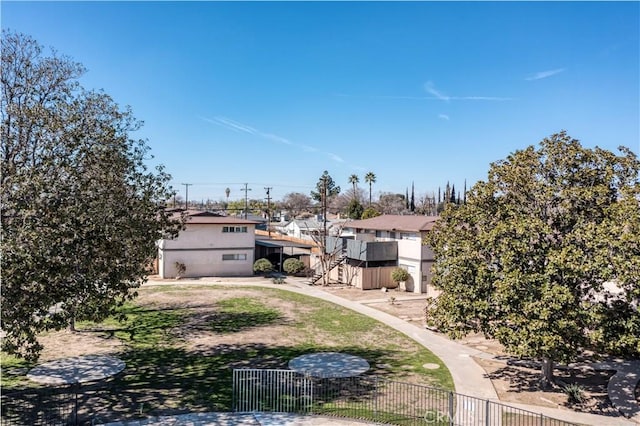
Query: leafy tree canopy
<point>530,258</point>
<point>81,212</point>
<point>354,209</point>
<point>325,185</point>
<point>370,212</point>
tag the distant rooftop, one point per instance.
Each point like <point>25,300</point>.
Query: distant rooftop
<point>392,222</point>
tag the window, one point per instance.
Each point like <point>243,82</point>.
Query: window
<point>234,229</point>
<point>234,256</point>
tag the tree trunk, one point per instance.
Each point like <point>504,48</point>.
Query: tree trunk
<point>72,324</point>
<point>547,380</point>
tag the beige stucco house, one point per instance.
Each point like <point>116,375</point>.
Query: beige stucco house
<point>210,245</point>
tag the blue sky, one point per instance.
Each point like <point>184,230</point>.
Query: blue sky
<point>274,93</point>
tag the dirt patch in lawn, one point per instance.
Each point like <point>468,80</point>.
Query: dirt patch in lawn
<point>63,344</point>
<point>520,384</point>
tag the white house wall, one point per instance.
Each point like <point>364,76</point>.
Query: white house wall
<point>201,248</point>
<point>409,252</point>
<point>208,263</point>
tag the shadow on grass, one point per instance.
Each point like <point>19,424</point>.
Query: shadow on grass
<point>168,381</point>
<point>137,324</point>
<point>241,313</point>
<point>234,322</point>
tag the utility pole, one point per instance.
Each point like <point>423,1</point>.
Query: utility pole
<point>268,210</point>
<point>246,199</point>
<point>186,198</point>
<point>324,214</point>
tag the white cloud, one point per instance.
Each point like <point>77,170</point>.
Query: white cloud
<point>245,128</point>
<point>233,125</point>
<point>443,117</point>
<point>436,93</point>
<point>335,157</point>
<point>544,74</point>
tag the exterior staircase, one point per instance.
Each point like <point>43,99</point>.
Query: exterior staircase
<point>334,263</point>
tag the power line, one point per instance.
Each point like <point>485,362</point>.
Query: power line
<point>246,199</point>
<point>268,189</point>
<point>186,198</point>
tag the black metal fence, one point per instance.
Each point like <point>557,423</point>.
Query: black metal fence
<point>372,398</point>
<point>41,406</point>
<point>59,405</point>
<point>365,397</point>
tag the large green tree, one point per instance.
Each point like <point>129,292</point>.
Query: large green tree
<point>325,188</point>
<point>545,255</point>
<point>354,209</point>
<point>81,212</point>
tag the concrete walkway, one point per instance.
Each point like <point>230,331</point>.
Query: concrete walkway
<point>468,377</point>
<point>235,419</point>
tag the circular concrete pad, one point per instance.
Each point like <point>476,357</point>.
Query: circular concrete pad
<point>329,364</point>
<point>431,366</point>
<point>78,369</point>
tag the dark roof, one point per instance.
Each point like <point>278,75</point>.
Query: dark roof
<point>393,222</point>
<point>281,243</point>
<point>203,217</point>
<point>217,220</point>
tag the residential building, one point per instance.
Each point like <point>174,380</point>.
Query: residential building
<point>310,229</point>
<point>210,245</point>
<point>369,249</point>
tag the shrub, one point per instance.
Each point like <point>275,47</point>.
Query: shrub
<point>399,275</point>
<point>181,268</point>
<point>575,393</point>
<point>262,265</point>
<point>293,265</point>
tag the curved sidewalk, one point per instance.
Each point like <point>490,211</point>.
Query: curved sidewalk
<point>468,377</point>
<point>238,419</point>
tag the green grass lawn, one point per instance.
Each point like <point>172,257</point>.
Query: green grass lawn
<point>165,375</point>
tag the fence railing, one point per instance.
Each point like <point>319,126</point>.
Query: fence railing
<point>365,397</point>
<point>40,407</point>
<point>372,398</point>
<point>76,404</point>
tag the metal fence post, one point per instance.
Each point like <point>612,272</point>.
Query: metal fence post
<point>451,409</point>
<point>375,397</point>
<point>75,405</point>
<point>487,413</point>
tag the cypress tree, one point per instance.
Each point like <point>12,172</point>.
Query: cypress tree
<point>413,198</point>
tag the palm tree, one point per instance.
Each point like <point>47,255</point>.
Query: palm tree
<point>353,179</point>
<point>227,191</point>
<point>370,178</point>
